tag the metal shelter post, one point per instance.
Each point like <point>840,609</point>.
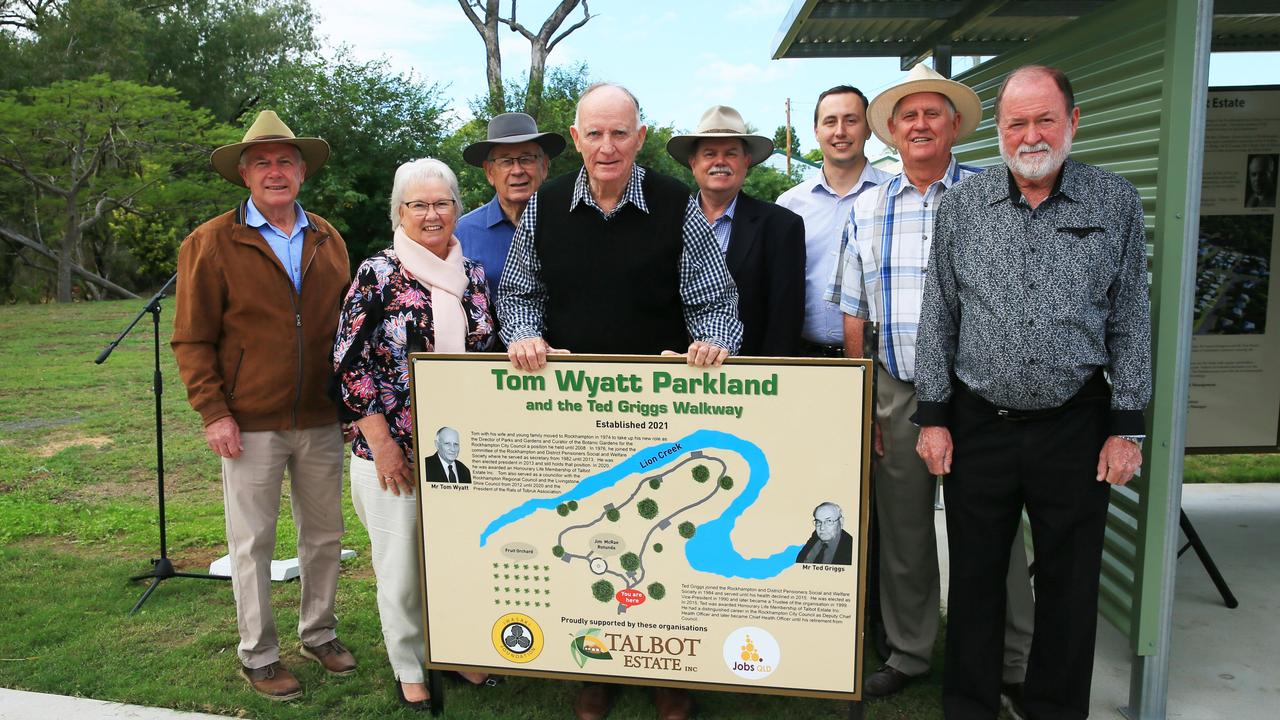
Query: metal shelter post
<point>1185,83</point>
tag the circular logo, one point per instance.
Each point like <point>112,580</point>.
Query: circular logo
<point>752,653</point>
<point>517,637</point>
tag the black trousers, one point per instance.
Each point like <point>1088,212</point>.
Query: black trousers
<point>1049,464</point>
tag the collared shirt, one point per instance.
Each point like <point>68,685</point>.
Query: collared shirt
<point>1026,304</point>
<point>722,228</point>
<point>884,253</point>
<point>288,248</point>
<point>824,212</point>
<point>707,292</point>
<point>485,234</point>
<point>449,471</point>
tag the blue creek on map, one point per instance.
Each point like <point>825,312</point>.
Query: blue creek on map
<point>711,549</point>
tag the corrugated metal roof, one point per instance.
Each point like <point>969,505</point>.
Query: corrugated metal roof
<point>913,29</point>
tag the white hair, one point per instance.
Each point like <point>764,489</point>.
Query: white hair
<point>577,110</point>
<point>417,172</point>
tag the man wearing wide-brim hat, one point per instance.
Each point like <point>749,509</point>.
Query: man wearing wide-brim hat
<point>762,243</point>
<point>880,278</point>
<point>259,289</point>
<point>515,157</point>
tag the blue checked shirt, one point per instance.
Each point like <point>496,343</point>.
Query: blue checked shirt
<point>707,291</point>
<point>722,228</point>
<point>884,253</point>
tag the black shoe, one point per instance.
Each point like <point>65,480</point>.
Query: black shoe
<point>1011,700</point>
<point>884,682</point>
<point>416,706</point>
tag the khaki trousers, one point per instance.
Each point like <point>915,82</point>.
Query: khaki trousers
<point>251,497</point>
<point>909,583</point>
<point>392,522</point>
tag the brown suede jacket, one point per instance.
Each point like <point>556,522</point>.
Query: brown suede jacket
<point>248,345</point>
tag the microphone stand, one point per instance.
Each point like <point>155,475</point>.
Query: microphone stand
<point>162,567</point>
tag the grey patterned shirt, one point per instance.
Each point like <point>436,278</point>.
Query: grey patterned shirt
<point>1024,305</point>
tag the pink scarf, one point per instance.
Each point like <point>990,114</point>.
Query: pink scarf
<point>447,281</point>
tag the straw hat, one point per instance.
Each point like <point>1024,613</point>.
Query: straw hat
<point>923,78</point>
<point>268,128</point>
<point>720,121</point>
<point>512,129</point>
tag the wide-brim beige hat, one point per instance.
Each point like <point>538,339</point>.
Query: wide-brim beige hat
<point>720,121</point>
<point>923,78</point>
<point>268,128</point>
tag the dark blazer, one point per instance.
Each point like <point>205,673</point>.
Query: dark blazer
<point>766,259</point>
<point>844,549</point>
<point>435,471</point>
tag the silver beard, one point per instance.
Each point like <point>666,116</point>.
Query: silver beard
<point>1035,169</point>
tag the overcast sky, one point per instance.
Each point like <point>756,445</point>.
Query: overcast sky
<point>679,58</point>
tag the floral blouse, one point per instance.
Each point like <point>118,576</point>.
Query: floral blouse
<point>386,315</point>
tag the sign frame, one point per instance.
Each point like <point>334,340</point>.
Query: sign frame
<point>860,563</point>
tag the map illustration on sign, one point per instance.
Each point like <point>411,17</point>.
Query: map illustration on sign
<point>652,496</point>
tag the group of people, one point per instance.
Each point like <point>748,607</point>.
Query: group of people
<point>1013,359</point>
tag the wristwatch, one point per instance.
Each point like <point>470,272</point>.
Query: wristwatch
<point>1135,439</point>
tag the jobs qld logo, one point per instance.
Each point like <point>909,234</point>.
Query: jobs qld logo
<point>517,637</point>
<point>751,653</point>
<point>587,645</point>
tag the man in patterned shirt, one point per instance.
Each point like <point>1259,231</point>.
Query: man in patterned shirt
<point>1033,371</point>
<point>880,278</point>
<point>616,259</point>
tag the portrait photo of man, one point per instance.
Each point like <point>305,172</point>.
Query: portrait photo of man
<point>444,466</point>
<point>1260,181</point>
<point>829,544</point>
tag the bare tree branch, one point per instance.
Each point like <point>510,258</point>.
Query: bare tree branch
<point>19,239</point>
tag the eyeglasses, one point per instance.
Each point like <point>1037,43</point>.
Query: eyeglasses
<point>420,208</point>
<point>528,162</point>
<point>831,522</point>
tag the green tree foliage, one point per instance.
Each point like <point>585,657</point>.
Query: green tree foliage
<point>218,54</point>
<point>374,120</point>
<point>630,562</point>
<point>562,509</point>
<point>558,551</point>
<point>701,473</point>
<point>573,505</point>
<point>657,547</point>
<point>686,529</point>
<point>113,175</point>
<point>655,483</point>
<point>602,590</point>
<point>780,140</point>
<point>647,508</point>
<point>657,591</point>
<point>766,183</point>
<point>726,482</point>
<point>613,515</point>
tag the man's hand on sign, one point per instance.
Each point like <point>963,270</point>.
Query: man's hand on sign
<point>531,353</point>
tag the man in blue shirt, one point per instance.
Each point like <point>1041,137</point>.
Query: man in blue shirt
<point>515,158</point>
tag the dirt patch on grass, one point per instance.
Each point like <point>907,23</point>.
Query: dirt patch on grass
<point>53,447</point>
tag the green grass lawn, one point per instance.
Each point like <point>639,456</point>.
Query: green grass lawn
<point>78,517</point>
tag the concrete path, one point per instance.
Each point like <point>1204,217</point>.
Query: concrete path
<point>21,705</point>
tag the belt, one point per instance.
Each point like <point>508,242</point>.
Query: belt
<point>1095,389</point>
<point>813,349</point>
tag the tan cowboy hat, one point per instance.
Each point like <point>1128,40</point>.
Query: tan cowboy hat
<point>268,128</point>
<point>922,78</point>
<point>720,121</point>
<point>512,129</point>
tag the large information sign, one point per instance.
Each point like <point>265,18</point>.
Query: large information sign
<point>1234,400</point>
<point>635,520</point>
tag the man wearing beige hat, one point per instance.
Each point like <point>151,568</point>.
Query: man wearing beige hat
<point>515,158</point>
<point>259,289</point>
<point>880,278</point>
<point>762,243</point>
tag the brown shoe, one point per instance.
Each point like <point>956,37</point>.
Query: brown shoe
<point>332,656</point>
<point>593,702</point>
<point>673,703</point>
<point>273,682</point>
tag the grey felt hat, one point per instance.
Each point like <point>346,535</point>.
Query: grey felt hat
<point>510,129</point>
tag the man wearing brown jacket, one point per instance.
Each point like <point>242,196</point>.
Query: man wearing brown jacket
<point>259,290</point>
